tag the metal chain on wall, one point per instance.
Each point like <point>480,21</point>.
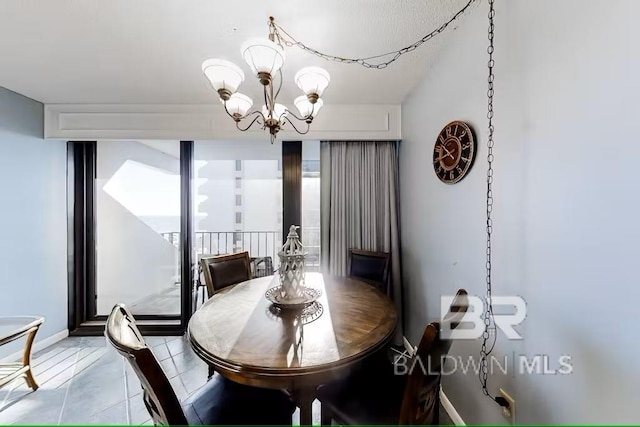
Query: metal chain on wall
<point>289,41</point>
<point>489,327</point>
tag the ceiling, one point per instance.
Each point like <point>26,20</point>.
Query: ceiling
<point>151,51</point>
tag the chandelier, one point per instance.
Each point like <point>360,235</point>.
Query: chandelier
<point>265,58</point>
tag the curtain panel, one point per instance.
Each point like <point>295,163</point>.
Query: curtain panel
<point>360,207</point>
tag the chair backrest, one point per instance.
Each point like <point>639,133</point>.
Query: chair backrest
<point>421,400</point>
<point>159,397</point>
<point>372,267</point>
<point>261,266</point>
<point>225,270</point>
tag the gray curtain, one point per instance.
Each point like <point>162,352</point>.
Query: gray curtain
<point>360,207</point>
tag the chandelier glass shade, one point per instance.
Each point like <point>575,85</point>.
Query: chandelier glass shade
<point>238,105</point>
<point>312,80</point>
<point>223,75</point>
<point>265,58</point>
<point>306,108</point>
<point>262,56</point>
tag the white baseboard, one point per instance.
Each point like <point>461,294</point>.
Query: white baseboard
<point>38,345</point>
<point>444,400</point>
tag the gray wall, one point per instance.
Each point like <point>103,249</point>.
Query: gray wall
<point>33,227</point>
<point>566,210</point>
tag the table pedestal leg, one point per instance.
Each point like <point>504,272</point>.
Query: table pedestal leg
<point>304,400</point>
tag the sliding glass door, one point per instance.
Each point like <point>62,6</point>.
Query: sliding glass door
<point>129,207</point>
<point>137,224</point>
<point>238,199</point>
<point>142,214</point>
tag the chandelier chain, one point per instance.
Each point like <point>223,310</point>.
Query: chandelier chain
<point>290,41</point>
<point>488,314</point>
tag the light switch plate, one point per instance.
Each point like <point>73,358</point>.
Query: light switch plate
<point>510,412</point>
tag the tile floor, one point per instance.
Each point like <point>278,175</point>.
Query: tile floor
<point>84,381</point>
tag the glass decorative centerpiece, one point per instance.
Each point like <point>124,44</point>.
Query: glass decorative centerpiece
<point>292,293</point>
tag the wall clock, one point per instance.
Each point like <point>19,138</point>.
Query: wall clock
<point>454,152</point>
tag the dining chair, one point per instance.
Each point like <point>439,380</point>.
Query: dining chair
<point>219,401</point>
<point>201,282</point>
<point>387,394</point>
<point>261,267</point>
<point>369,266</point>
<point>225,270</point>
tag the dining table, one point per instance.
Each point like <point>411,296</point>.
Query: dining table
<point>247,339</point>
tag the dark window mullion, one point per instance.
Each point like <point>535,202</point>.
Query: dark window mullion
<point>291,186</point>
<point>186,231</point>
<point>81,235</point>
<point>90,179</point>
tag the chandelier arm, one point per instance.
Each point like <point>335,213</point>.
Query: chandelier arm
<point>237,119</point>
<point>294,126</point>
<point>302,119</point>
<point>266,100</point>
<point>280,85</point>
<point>224,104</point>
<point>272,98</point>
<point>258,115</point>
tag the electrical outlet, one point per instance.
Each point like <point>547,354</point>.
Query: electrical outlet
<point>508,412</point>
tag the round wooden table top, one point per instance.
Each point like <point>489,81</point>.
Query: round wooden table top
<point>245,338</point>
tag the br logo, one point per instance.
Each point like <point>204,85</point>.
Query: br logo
<point>472,324</point>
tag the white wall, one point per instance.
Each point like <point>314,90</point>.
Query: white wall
<point>33,242</point>
<point>134,262</point>
<point>566,209</point>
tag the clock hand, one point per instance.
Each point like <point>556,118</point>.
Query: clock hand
<point>448,152</point>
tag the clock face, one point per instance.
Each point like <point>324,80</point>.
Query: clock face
<point>454,152</point>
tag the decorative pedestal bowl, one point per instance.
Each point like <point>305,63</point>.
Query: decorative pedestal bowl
<point>278,297</point>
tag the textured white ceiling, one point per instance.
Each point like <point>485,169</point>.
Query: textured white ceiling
<point>150,51</point>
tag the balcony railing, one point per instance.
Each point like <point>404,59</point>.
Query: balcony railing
<point>257,243</point>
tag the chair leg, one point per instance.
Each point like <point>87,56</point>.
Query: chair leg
<point>211,372</point>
